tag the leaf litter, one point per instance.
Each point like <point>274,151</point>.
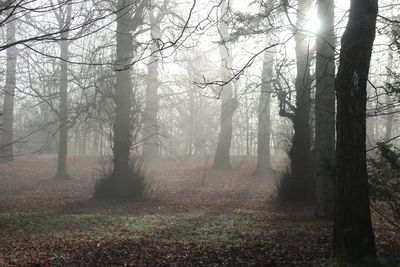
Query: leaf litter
<point>195,216</point>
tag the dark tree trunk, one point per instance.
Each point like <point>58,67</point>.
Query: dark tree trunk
<point>264,116</point>
<point>222,154</point>
<point>123,88</point>
<point>123,91</point>
<point>353,236</point>
<point>325,111</point>
<point>300,153</point>
<point>6,144</point>
<point>126,181</point>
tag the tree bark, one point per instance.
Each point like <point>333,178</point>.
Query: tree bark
<point>263,166</point>
<point>390,117</point>
<point>123,91</point>
<point>6,144</point>
<point>123,87</point>
<point>325,111</point>
<point>222,154</point>
<point>300,153</point>
<point>63,114</point>
<point>95,144</point>
<point>353,236</point>
<point>63,108</point>
<point>151,145</point>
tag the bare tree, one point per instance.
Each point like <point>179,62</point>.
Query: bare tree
<point>228,106</point>
<point>64,18</point>
<point>298,184</point>
<point>151,144</point>
<point>264,113</point>
<point>6,143</point>
<point>353,236</point>
<point>390,111</point>
<point>123,182</point>
<point>324,147</point>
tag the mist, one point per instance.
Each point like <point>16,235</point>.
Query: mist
<point>199,133</point>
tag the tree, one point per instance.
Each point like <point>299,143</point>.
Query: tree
<point>125,179</point>
<point>263,166</point>
<point>25,10</point>
<point>353,236</point>
<point>123,87</point>
<point>297,184</point>
<point>325,110</point>
<point>301,143</point>
<point>390,117</point>
<point>151,145</point>
<point>63,22</point>
<point>222,154</point>
<point>6,143</point>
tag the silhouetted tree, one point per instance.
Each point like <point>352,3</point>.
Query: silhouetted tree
<point>353,236</point>
<point>297,185</point>
<point>126,179</point>
<point>325,110</point>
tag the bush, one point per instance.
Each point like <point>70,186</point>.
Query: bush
<point>384,177</point>
<point>292,189</point>
<point>128,185</point>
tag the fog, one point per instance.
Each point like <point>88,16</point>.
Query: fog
<point>199,133</point>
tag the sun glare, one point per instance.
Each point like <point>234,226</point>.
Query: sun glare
<point>313,24</point>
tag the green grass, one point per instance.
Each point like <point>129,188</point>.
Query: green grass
<point>200,225</point>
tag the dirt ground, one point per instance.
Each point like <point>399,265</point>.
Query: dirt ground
<point>194,216</point>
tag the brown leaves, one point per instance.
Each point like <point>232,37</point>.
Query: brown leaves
<point>197,217</point>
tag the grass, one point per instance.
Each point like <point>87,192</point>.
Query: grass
<point>200,225</point>
<point>230,219</point>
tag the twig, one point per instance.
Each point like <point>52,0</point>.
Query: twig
<point>385,217</point>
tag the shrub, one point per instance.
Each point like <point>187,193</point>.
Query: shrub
<point>128,185</point>
<point>384,177</point>
<point>291,188</point>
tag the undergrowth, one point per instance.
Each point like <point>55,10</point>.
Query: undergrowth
<point>129,184</point>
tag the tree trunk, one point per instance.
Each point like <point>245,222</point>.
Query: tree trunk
<point>76,141</point>
<point>63,108</point>
<point>123,91</point>
<point>84,141</point>
<point>301,144</point>
<point>63,113</point>
<point>6,144</point>
<point>95,144</point>
<point>222,154</point>
<point>264,116</point>
<point>390,116</point>
<point>191,121</point>
<point>151,146</point>
<point>62,173</point>
<point>325,111</point>
<point>353,236</point>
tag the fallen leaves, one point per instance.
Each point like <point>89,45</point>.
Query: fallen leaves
<point>196,217</point>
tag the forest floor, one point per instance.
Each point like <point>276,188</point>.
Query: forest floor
<point>195,217</point>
